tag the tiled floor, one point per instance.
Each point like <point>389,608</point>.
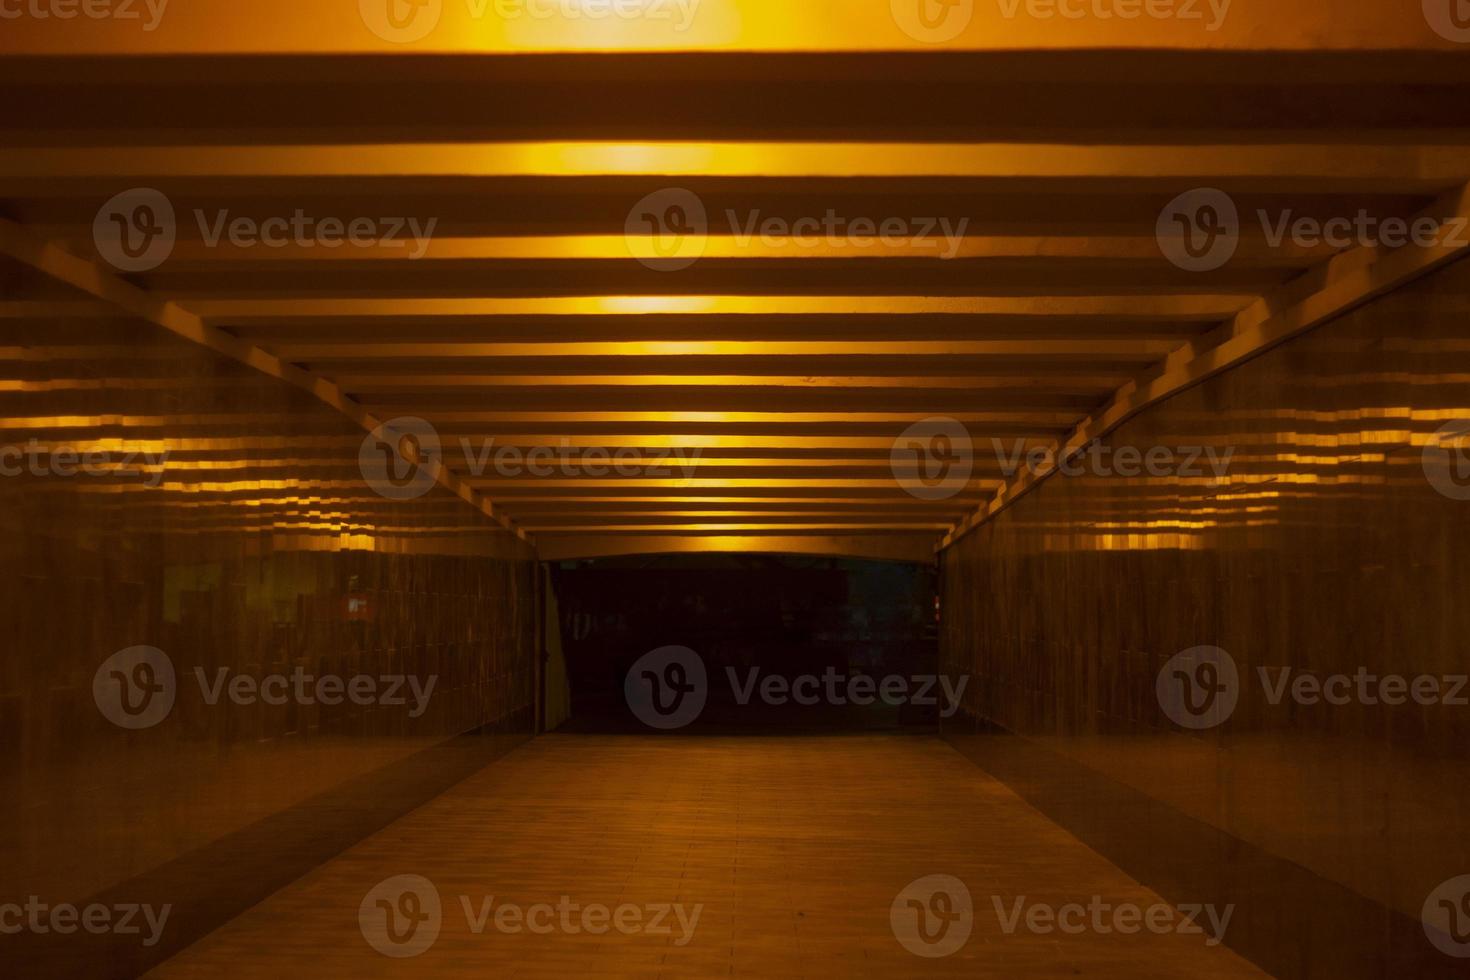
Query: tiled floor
<point>795,848</point>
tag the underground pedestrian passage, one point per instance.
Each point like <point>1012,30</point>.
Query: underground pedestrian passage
<point>721,488</point>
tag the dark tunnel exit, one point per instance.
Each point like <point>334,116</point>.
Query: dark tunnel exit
<point>762,643</point>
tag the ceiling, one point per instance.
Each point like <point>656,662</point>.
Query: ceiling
<point>781,373</point>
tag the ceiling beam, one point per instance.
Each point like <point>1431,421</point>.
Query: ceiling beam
<point>1191,307</point>
<point>916,548</point>
<point>1147,349</point>
<point>194,252</point>
<point>1311,166</point>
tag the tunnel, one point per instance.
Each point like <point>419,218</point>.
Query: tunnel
<point>735,488</point>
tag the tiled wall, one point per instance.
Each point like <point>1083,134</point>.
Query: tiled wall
<point>1326,549</point>
<point>257,548</point>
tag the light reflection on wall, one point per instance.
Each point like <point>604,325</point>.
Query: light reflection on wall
<point>224,520</point>
<point>1325,548</point>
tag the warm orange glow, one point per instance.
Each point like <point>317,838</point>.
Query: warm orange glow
<point>753,25</point>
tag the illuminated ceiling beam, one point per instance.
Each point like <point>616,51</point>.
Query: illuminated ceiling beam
<point>95,280</point>
<point>275,26</point>
<point>775,484</point>
<point>193,252</point>
<point>699,459</point>
<point>792,446</point>
<point>1080,379</point>
<point>651,429</point>
<point>662,512</point>
<point>593,503</point>
<point>736,527</point>
<point>749,421</point>
<point>736,399</point>
<point>1190,307</point>
<point>516,493</point>
<point>916,277</point>
<point>1146,349</point>
<point>1312,168</point>
<point>1338,286</point>
<point>917,548</point>
<point>285,335</point>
